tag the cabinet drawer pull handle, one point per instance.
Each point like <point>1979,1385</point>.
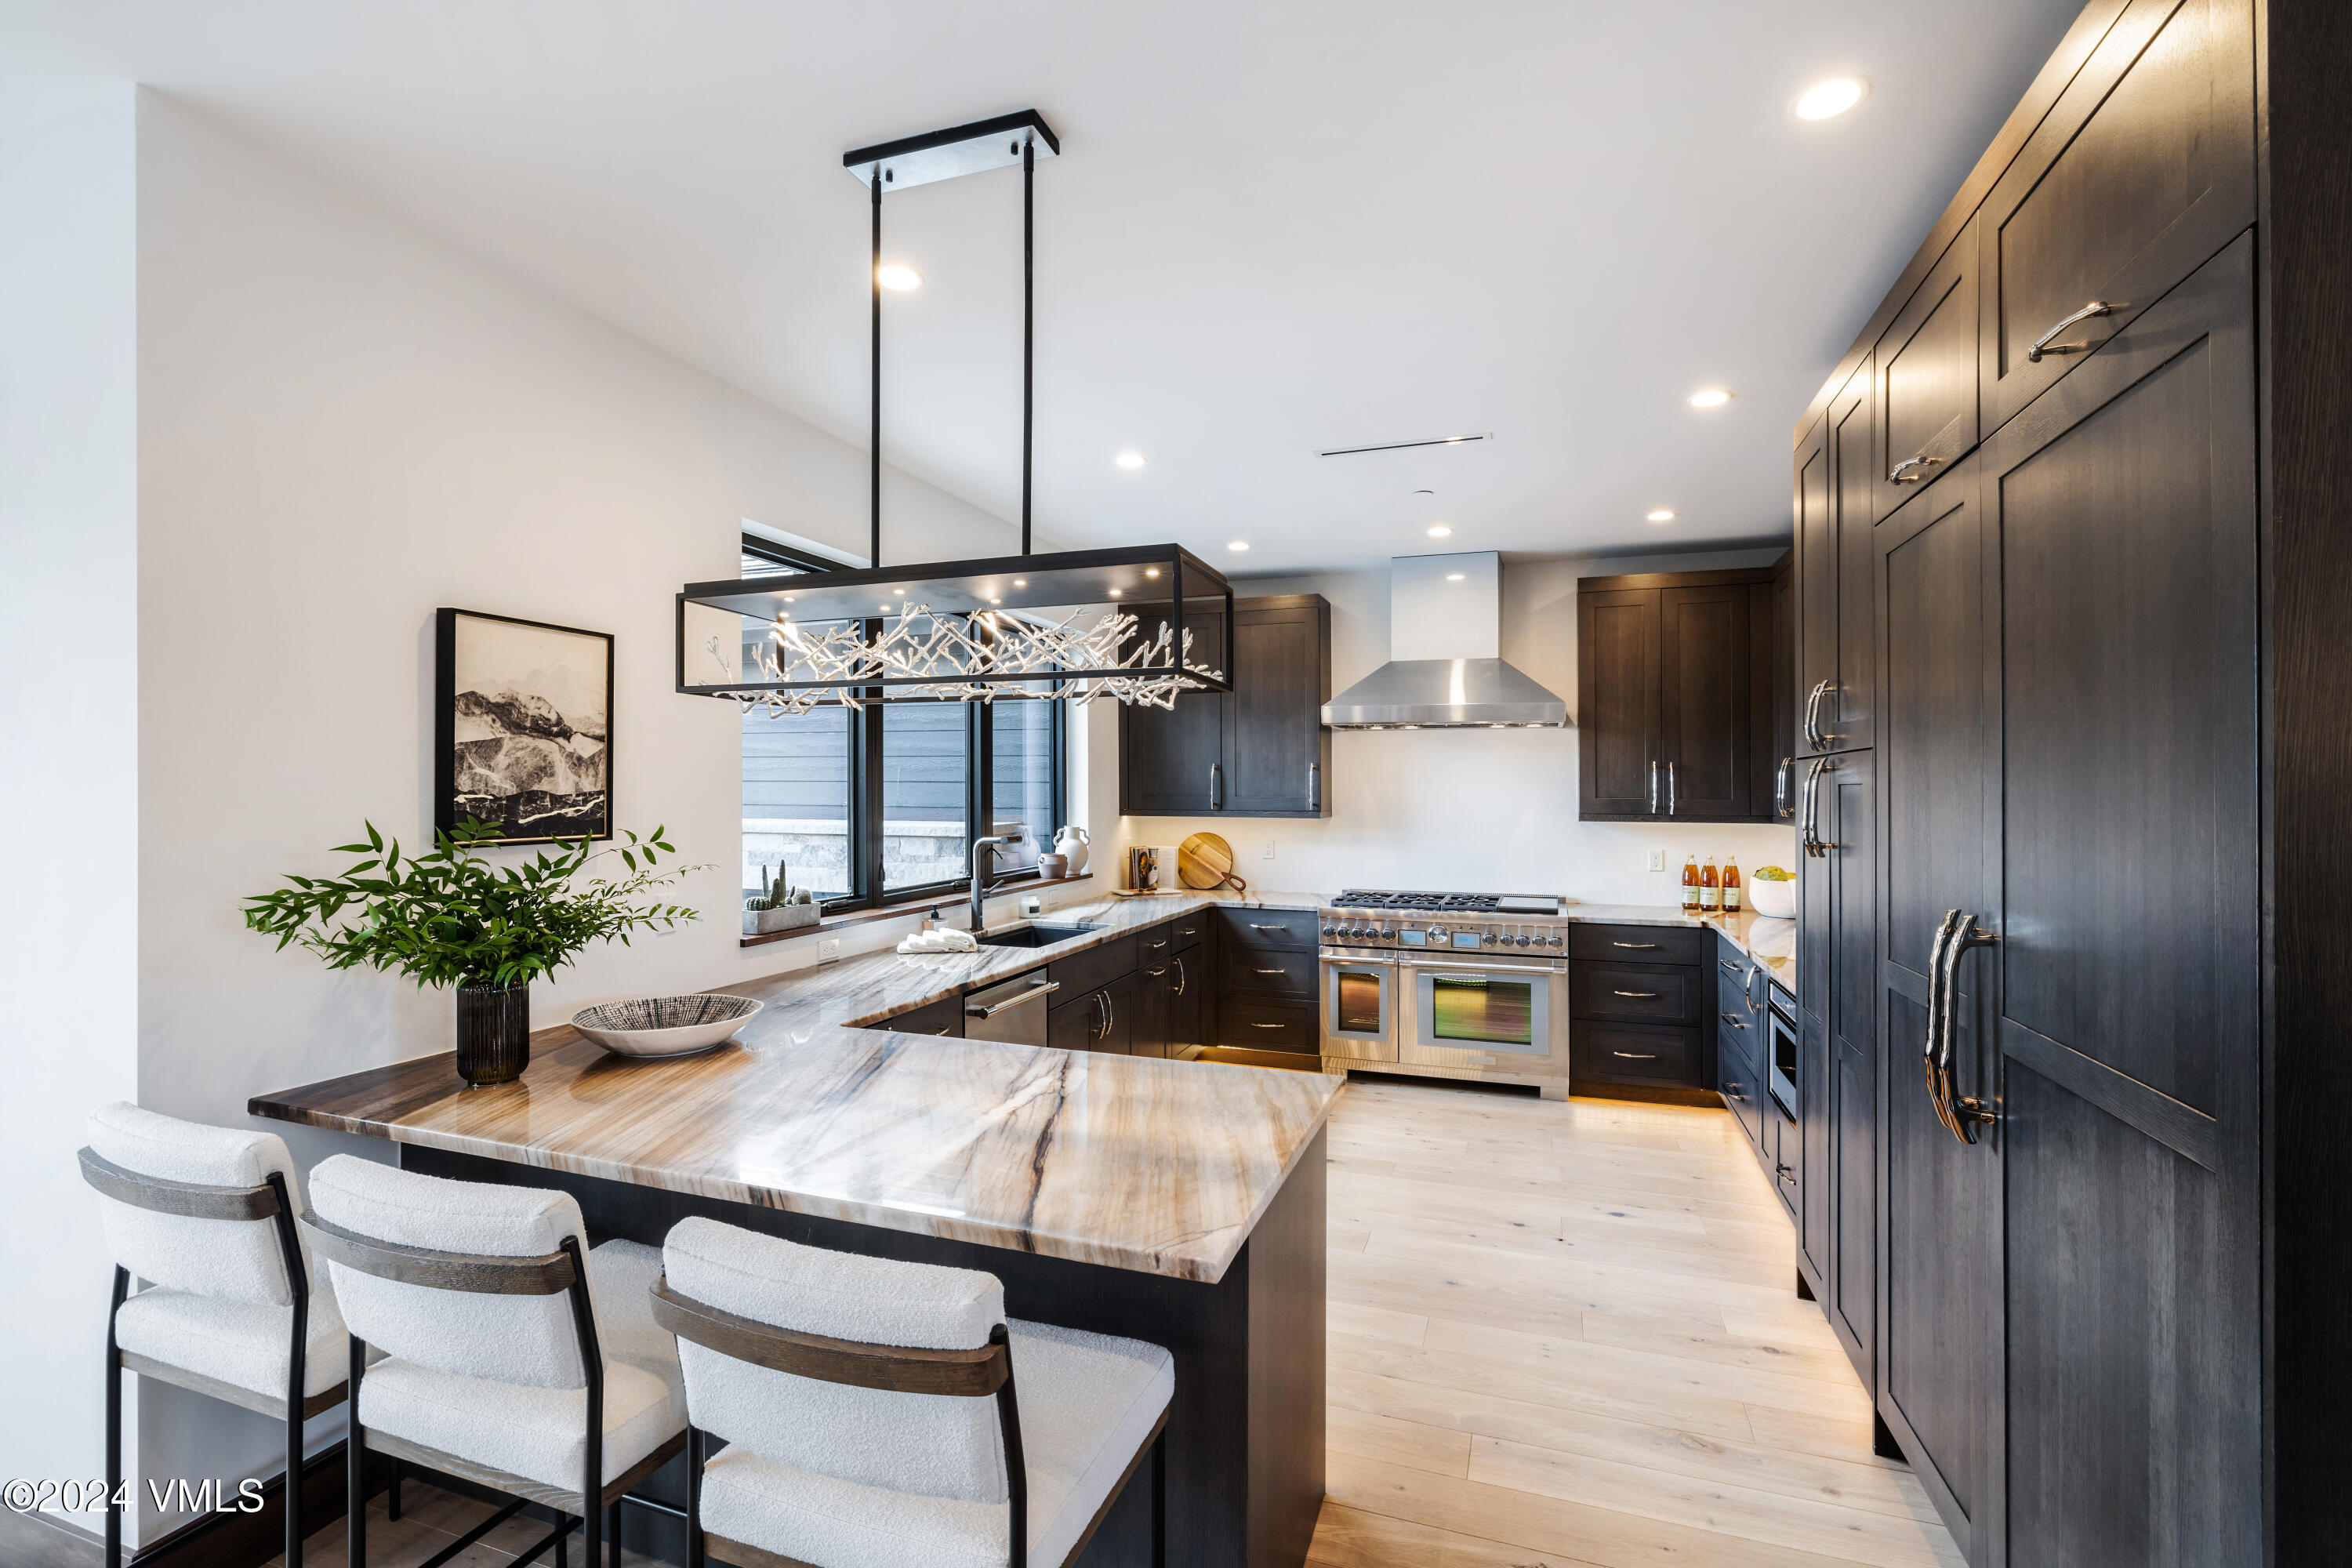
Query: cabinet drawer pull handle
<point>1269,1026</point>
<point>1634,944</point>
<point>1809,724</point>
<point>1923,463</point>
<point>1314,786</point>
<point>1783,780</point>
<point>1216,787</point>
<point>1254,927</point>
<point>1640,996</point>
<point>1179,976</point>
<point>1654,786</point>
<point>2042,345</point>
<point>1156,973</point>
<point>949,1030</point>
<point>1269,972</point>
<point>1636,1056</point>
<point>1787,1175</point>
<point>1727,966</point>
<point>1162,943</point>
<point>1733,1019</point>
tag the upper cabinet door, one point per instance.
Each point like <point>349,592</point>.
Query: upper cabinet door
<point>1276,753</point>
<point>1172,761</point>
<point>1926,367</point>
<point>1814,576</point>
<point>2143,169</point>
<point>1619,762</point>
<point>1705,700</point>
<point>1843,719</point>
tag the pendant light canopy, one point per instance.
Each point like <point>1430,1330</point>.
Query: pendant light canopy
<point>1140,624</point>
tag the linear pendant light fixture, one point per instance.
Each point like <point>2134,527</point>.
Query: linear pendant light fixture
<point>1026,626</point>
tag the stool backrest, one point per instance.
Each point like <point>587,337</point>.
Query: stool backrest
<point>866,1369</point>
<point>397,1244</point>
<point>185,1242</point>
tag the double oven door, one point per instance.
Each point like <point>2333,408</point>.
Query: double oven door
<point>1431,1011</point>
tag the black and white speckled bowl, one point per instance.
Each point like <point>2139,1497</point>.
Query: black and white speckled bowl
<point>664,1026</point>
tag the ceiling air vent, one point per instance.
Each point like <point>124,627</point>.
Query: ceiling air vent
<point>1403,445</point>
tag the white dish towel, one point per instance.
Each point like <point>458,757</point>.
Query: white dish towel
<point>941,938</point>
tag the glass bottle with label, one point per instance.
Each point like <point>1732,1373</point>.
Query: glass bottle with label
<point>1710,891</point>
<point>1730,886</point>
<point>1690,884</point>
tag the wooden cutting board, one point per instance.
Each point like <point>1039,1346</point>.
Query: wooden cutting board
<point>1204,861</point>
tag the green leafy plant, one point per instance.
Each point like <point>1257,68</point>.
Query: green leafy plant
<point>450,916</point>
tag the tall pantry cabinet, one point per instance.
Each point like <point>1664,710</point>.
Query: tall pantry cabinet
<point>2074,589</point>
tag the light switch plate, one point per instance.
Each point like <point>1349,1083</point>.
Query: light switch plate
<point>1267,853</point>
<point>828,950</point>
<point>1657,859</point>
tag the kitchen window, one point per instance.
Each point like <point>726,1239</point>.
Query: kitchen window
<point>877,807</point>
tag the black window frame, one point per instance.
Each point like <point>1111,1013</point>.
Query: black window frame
<point>867,728</point>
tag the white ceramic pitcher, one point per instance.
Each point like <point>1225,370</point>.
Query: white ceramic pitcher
<point>1072,841</point>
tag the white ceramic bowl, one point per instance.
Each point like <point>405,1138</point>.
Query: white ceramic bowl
<point>664,1026</point>
<point>1776,900</point>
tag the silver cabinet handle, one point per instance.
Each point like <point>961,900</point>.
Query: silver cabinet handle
<point>1654,786</point>
<point>1670,789</point>
<point>1640,996</point>
<point>1783,783</point>
<point>1216,787</point>
<point>1255,926</point>
<point>1110,1015</point>
<point>1727,966</point>
<point>1162,943</point>
<point>1315,787</point>
<point>1047,989</point>
<point>1923,463</point>
<point>1156,973</point>
<point>1812,705</point>
<point>2042,345</point>
<point>1733,1019</point>
<point>1643,946</point>
<point>947,1031</point>
<point>1269,1026</point>
<point>1178,963</point>
<point>1788,1176</point>
<point>1270,971</point>
<point>1955,935</point>
<point>1636,1056</point>
<point>1813,843</point>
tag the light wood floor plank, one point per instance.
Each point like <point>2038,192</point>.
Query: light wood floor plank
<point>1567,1334</point>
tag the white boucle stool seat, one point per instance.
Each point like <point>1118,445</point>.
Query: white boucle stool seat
<point>1088,1403</point>
<point>240,1342</point>
<point>539,1434</point>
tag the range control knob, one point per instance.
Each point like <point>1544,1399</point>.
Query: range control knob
<point>1438,933</point>
<point>1523,938</point>
<point>1556,942</point>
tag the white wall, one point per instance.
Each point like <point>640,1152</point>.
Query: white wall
<point>68,739</point>
<point>343,424</point>
<point>1469,810</point>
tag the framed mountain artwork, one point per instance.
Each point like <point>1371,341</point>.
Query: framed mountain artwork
<point>522,727</point>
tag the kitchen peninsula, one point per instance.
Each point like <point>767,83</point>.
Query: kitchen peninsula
<point>1177,1202</point>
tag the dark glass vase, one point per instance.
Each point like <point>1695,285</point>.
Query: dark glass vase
<point>493,1032</point>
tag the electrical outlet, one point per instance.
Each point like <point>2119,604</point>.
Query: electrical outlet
<point>1657,859</point>
<point>828,950</point>
<point>1267,853</point>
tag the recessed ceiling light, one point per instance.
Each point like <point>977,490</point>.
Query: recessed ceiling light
<point>790,598</point>
<point>1827,99</point>
<point>1713,397</point>
<point>1453,576</point>
<point>1020,582</point>
<point>1661,515</point>
<point>895,275</point>
<point>1440,531</point>
<point>996,601</point>
<point>1129,459</point>
<point>1151,571</point>
<point>899,591</point>
<point>1238,545</point>
<point>1115,593</point>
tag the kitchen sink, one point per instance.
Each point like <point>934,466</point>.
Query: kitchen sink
<point>1036,933</point>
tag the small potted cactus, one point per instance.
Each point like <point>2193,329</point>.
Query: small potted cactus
<point>780,905</point>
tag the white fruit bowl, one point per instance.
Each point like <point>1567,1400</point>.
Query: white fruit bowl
<point>1777,900</point>
<point>664,1026</point>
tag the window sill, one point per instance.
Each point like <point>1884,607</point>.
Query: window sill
<point>904,907</point>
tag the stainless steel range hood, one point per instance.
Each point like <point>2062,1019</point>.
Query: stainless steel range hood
<point>1446,670</point>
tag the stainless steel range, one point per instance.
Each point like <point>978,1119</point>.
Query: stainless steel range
<point>1469,985</point>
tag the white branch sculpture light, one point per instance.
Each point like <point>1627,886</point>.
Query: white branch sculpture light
<point>974,657</point>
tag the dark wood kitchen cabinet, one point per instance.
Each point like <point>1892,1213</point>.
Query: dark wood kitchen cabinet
<point>2105,747</point>
<point>1836,503</point>
<point>1259,750</point>
<point>1266,991</point>
<point>1676,713</point>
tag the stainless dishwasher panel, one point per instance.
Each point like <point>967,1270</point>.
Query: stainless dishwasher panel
<point>1011,1010</point>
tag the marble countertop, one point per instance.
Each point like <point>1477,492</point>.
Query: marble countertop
<point>1162,1167</point>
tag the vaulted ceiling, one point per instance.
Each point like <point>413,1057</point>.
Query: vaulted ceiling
<point>1278,225</point>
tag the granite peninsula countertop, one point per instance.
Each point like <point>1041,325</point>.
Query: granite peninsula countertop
<point>1160,1167</point>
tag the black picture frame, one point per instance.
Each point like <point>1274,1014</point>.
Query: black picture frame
<point>536,718</point>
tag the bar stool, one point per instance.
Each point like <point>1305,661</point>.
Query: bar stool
<point>206,1216</point>
<point>850,1392</point>
<point>514,1355</point>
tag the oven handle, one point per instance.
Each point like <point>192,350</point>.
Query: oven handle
<point>1330,958</point>
<point>1528,969</point>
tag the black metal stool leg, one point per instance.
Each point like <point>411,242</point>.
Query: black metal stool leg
<point>355,1464</point>
<point>1160,1501</point>
<point>612,1534</point>
<point>114,1424</point>
<point>399,1470</point>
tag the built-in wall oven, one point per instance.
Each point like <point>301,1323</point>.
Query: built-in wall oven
<point>1780,1035</point>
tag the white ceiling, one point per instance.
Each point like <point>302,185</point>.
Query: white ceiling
<point>1275,227</point>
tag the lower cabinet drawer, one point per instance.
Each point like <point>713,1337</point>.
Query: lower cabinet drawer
<point>943,1018</point>
<point>1273,928</point>
<point>1635,992</point>
<point>1737,1029</point>
<point>1616,1053</point>
<point>1267,972</point>
<point>1259,1023</point>
<point>1742,1091</point>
